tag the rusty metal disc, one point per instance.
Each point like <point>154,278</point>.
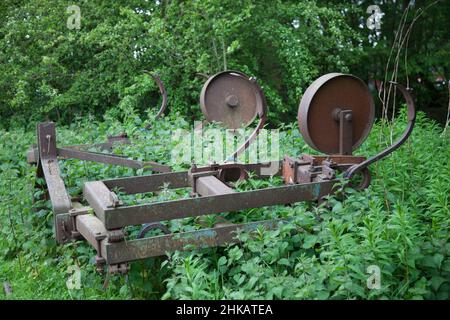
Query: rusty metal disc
<point>233,99</point>
<point>323,97</point>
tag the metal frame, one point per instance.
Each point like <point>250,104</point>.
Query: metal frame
<point>306,178</point>
<point>211,195</point>
<point>46,155</point>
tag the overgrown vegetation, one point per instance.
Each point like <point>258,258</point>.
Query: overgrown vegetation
<point>400,223</point>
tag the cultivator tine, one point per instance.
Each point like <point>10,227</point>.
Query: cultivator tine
<point>247,143</point>
<point>162,90</point>
<point>411,114</point>
<point>152,226</point>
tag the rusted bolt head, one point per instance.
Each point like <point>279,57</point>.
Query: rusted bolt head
<point>335,113</point>
<point>232,101</point>
<point>348,117</point>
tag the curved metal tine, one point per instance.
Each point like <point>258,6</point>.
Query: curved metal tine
<point>247,143</point>
<point>151,226</point>
<point>411,120</point>
<point>162,90</point>
<point>262,120</point>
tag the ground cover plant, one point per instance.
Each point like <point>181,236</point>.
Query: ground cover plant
<point>400,224</point>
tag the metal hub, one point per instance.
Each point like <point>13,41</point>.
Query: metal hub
<point>232,98</point>
<point>321,104</point>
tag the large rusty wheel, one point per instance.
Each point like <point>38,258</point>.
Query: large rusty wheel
<point>232,99</point>
<point>325,96</point>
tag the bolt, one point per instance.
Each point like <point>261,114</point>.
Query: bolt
<point>232,101</point>
<point>348,117</point>
<point>335,113</point>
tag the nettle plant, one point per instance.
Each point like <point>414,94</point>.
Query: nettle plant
<point>399,224</point>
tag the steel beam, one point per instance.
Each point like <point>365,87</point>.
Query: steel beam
<point>149,183</point>
<point>92,229</point>
<point>210,186</point>
<point>48,168</point>
<point>70,153</point>
<point>80,152</point>
<point>55,185</point>
<point>160,245</point>
<point>173,180</point>
<point>115,218</point>
<point>99,197</point>
<point>33,153</point>
<point>48,163</point>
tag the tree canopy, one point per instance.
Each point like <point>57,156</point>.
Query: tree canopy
<point>49,70</point>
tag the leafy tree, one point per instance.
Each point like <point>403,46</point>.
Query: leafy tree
<point>49,70</point>
<point>424,59</point>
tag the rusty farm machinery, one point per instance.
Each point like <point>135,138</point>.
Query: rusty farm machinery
<point>45,155</point>
<point>335,116</point>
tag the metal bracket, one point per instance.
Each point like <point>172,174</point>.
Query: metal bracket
<point>345,118</point>
<point>121,268</point>
<point>48,168</point>
<point>117,235</point>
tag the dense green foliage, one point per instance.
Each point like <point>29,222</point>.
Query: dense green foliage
<point>400,223</point>
<point>424,55</point>
<point>48,70</point>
